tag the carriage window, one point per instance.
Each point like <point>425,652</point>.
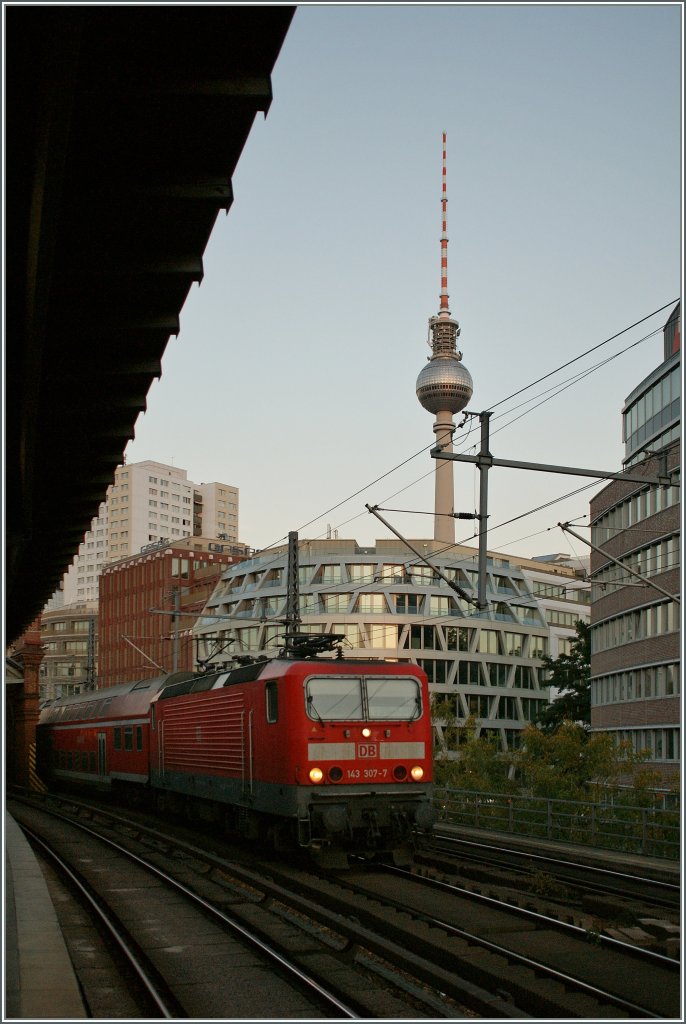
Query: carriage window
<point>271,696</point>
<point>128,737</point>
<point>117,739</point>
<point>139,737</point>
<point>398,699</point>
<point>334,699</point>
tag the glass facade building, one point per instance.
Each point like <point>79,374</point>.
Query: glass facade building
<point>635,625</point>
<point>487,664</point>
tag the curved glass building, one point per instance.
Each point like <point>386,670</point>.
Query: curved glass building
<point>488,664</point>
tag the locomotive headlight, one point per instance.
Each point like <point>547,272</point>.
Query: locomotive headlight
<point>417,773</point>
<point>316,775</point>
<point>366,733</point>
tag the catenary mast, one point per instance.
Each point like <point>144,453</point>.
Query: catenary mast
<point>444,386</point>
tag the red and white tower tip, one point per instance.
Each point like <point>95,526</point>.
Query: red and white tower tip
<point>444,386</point>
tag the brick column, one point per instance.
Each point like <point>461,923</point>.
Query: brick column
<point>24,707</point>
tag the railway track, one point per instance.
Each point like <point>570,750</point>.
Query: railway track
<point>191,957</point>
<point>395,938</point>
<point>655,888</point>
<point>134,985</point>
<point>615,903</point>
<point>340,979</point>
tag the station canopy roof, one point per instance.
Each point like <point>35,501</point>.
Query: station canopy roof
<point>123,127</point>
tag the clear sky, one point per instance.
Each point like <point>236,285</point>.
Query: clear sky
<point>293,377</point>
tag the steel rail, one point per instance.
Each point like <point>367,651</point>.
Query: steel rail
<point>661,887</point>
<point>167,1007</point>
<point>526,961</point>
<point>253,940</point>
<point>552,922</point>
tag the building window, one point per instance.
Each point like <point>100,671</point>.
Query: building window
<point>498,673</point>
<point>468,674</point>
<point>382,637</point>
<point>458,638</point>
<point>372,603</point>
<point>523,677</point>
<point>514,644</point>
<point>436,671</point>
<point>179,568</point>
<point>336,602</point>
<point>408,604</point>
<point>351,630</point>
<point>439,606</point>
<point>421,638</point>
<point>489,642</point>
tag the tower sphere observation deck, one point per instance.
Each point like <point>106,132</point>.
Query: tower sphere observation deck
<point>445,384</point>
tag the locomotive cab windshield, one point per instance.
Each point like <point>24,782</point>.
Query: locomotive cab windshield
<point>359,698</point>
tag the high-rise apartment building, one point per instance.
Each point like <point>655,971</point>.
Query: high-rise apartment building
<point>635,621</point>
<point>146,503</point>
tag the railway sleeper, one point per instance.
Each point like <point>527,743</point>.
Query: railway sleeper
<point>454,961</point>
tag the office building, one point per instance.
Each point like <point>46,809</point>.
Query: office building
<point>636,623</point>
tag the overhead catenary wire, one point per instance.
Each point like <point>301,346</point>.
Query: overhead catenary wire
<point>557,389</point>
<point>462,442</point>
<point>594,348</point>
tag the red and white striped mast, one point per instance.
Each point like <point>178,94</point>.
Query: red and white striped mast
<point>443,308</point>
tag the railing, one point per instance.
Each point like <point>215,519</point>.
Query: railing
<point>651,831</point>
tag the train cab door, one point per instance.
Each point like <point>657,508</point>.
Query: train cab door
<point>102,754</point>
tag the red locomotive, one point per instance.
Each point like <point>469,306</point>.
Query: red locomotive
<point>329,755</point>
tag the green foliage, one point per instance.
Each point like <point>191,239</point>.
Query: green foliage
<point>571,674</point>
<point>479,765</point>
<point>568,764</point>
<point>560,760</point>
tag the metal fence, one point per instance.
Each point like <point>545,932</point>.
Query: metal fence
<point>652,831</point>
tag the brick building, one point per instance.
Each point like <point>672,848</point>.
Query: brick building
<point>636,626</point>
<point>149,602</point>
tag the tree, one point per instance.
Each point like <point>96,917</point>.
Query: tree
<point>571,675</point>
<point>465,760</point>
<point>568,763</point>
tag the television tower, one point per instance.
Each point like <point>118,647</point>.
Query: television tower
<point>444,386</point>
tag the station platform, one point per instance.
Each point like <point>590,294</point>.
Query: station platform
<point>40,983</point>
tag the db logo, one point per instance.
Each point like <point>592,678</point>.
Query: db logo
<point>367,750</point>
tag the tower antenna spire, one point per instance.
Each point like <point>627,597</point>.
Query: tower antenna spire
<point>444,308</point>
